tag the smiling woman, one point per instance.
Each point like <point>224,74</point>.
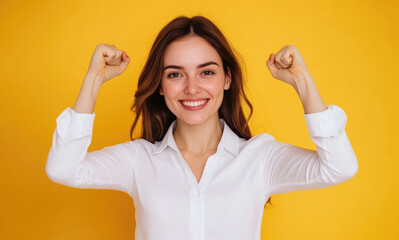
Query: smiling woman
<point>201,54</point>
<point>196,172</point>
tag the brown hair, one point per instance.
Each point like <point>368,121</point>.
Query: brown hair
<point>151,106</point>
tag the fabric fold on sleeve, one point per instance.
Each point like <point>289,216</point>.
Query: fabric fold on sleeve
<point>291,168</point>
<point>72,125</point>
<point>69,163</point>
<point>328,123</point>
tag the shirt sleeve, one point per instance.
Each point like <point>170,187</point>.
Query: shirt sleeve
<point>289,168</point>
<point>69,163</point>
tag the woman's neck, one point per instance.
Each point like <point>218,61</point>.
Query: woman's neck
<point>200,138</point>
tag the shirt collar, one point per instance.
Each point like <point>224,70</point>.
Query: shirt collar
<point>229,140</point>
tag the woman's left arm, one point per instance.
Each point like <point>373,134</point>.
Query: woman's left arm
<point>290,168</point>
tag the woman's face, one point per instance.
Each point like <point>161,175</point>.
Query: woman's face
<point>193,80</point>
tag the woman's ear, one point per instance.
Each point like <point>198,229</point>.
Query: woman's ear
<point>160,91</point>
<point>227,81</point>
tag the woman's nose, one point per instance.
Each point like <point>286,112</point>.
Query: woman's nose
<point>191,86</point>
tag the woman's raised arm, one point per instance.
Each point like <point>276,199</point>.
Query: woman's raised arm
<point>290,168</point>
<point>68,161</point>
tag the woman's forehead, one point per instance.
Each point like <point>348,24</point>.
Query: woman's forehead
<point>190,51</point>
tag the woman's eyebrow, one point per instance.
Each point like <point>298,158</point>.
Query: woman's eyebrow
<point>199,66</point>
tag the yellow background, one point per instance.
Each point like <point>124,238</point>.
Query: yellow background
<point>350,48</point>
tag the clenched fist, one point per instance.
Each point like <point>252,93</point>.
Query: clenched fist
<point>108,62</point>
<point>287,64</point>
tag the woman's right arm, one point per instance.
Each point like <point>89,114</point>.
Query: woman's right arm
<point>68,161</point>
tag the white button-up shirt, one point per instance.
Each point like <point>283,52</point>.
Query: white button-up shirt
<point>237,180</point>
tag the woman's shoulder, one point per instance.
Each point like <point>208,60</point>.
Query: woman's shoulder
<point>260,138</point>
<point>142,143</point>
<point>138,144</point>
<point>256,144</point>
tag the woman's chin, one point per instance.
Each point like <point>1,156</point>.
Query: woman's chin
<point>192,121</point>
<point>197,119</point>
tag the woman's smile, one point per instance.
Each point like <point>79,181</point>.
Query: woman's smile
<point>194,104</point>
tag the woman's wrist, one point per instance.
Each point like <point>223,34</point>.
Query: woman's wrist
<point>88,93</point>
<point>301,84</point>
<point>94,79</point>
<point>311,100</point>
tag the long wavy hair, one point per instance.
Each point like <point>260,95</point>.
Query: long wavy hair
<point>150,105</point>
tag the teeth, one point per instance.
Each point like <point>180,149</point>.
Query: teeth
<point>193,104</point>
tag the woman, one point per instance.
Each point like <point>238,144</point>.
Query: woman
<point>197,172</point>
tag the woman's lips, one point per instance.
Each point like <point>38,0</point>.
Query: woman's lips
<point>194,104</point>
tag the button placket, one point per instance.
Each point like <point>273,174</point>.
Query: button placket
<point>196,214</point>
<point>197,203</point>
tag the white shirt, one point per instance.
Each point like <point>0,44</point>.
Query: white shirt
<point>228,202</point>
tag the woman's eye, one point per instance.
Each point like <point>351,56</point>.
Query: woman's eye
<point>209,72</point>
<point>172,74</point>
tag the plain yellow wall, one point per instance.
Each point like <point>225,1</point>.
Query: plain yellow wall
<point>350,48</point>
